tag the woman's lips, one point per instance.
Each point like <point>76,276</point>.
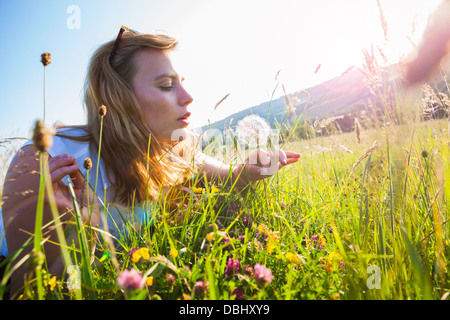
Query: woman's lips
<point>184,118</point>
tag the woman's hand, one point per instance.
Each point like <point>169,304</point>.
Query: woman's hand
<point>259,165</point>
<point>262,164</point>
<point>61,166</point>
<point>20,196</point>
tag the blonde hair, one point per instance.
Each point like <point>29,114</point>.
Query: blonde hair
<point>138,162</point>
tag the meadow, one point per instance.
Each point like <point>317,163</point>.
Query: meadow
<point>362,215</point>
<point>350,220</point>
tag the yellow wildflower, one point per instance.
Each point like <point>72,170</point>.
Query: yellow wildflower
<point>292,257</point>
<point>144,253</point>
<point>210,236</point>
<point>136,256</point>
<point>214,189</point>
<point>329,267</point>
<point>140,253</point>
<point>52,283</point>
<point>45,280</point>
<point>198,190</point>
<point>173,253</point>
<point>186,296</point>
<point>149,281</point>
<point>289,255</point>
<point>270,246</point>
<point>333,256</point>
<point>273,236</point>
<point>323,241</point>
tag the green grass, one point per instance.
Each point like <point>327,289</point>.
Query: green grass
<point>390,212</point>
<point>350,220</point>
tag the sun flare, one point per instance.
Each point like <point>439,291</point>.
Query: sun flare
<point>250,46</point>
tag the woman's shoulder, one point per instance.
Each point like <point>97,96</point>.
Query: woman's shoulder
<point>73,131</point>
<point>74,140</point>
<point>26,158</point>
<point>77,134</point>
<point>71,140</point>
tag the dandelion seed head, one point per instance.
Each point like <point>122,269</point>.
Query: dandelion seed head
<point>253,127</point>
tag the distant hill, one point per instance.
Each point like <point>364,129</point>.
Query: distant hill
<point>335,97</point>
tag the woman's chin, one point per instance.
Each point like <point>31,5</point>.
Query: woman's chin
<point>179,134</point>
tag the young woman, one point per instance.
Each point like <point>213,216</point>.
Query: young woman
<point>147,108</point>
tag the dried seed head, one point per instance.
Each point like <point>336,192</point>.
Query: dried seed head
<point>87,163</point>
<point>36,260</point>
<point>358,130</point>
<point>42,137</point>
<point>102,111</point>
<point>46,58</point>
<point>424,154</point>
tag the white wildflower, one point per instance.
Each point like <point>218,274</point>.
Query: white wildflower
<point>254,129</point>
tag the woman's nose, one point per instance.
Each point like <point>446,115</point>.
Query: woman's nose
<point>185,98</point>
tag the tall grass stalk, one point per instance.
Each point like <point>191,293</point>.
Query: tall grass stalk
<point>45,60</point>
<point>102,113</point>
<point>37,250</point>
<point>86,270</point>
<point>44,109</point>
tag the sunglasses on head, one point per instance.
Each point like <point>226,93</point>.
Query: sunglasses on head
<point>119,36</point>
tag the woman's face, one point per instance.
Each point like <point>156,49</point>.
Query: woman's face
<point>161,94</point>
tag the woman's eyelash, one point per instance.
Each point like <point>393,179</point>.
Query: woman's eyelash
<point>167,88</point>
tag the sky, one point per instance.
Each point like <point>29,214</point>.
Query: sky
<point>234,47</point>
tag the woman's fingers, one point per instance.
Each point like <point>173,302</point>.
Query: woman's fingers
<point>261,164</point>
<point>264,159</point>
<point>291,157</point>
<point>61,166</point>
<point>77,179</point>
<point>282,157</point>
<point>286,157</point>
<point>56,158</point>
<point>64,165</point>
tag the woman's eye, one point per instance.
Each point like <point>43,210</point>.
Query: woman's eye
<point>166,88</point>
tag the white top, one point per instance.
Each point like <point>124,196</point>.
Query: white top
<point>116,214</point>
